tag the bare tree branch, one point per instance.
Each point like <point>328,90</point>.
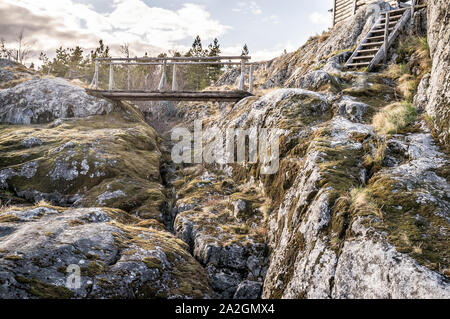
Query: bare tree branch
<point>24,48</point>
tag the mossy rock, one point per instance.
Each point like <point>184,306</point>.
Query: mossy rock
<point>245,205</point>
<point>117,256</point>
<point>411,226</point>
<point>94,161</point>
<point>44,290</point>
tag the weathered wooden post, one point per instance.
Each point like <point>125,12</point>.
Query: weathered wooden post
<point>355,5</point>
<point>386,36</point>
<point>413,4</point>
<point>334,12</point>
<point>111,76</point>
<point>163,76</point>
<point>250,86</point>
<point>96,75</point>
<point>94,82</point>
<point>174,78</point>
<point>242,80</point>
<point>128,77</point>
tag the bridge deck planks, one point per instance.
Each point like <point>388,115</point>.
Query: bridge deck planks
<point>228,96</point>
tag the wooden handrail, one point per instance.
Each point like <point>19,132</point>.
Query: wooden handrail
<point>179,63</point>
<point>178,58</point>
<point>386,35</point>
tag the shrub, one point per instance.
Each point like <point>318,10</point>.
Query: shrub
<point>412,63</point>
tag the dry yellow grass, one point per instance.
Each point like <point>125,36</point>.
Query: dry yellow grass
<point>417,249</point>
<point>415,62</point>
<point>376,157</point>
<point>394,117</point>
<point>8,208</point>
<point>361,201</point>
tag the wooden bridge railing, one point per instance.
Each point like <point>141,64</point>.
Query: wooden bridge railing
<point>174,61</point>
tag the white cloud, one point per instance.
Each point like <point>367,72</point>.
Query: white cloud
<point>254,8</point>
<point>164,27</point>
<point>319,18</point>
<point>131,21</point>
<point>250,7</point>
<point>273,18</point>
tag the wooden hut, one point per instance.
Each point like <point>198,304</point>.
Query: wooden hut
<point>344,9</point>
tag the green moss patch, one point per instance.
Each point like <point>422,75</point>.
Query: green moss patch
<point>92,157</point>
<point>412,227</point>
<point>44,290</point>
<point>153,262</point>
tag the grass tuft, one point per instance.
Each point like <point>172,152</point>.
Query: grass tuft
<point>394,118</point>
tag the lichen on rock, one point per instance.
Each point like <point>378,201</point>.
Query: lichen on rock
<point>82,160</point>
<point>43,100</point>
<point>111,251</point>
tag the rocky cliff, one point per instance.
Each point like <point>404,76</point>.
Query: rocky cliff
<point>435,91</point>
<point>359,207</point>
<point>74,150</point>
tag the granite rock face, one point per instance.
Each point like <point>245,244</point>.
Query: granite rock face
<point>44,100</point>
<point>287,70</point>
<point>349,212</point>
<point>43,249</point>
<point>437,96</point>
<point>86,162</point>
<point>355,111</point>
<point>318,80</point>
<point>230,248</point>
<point>12,73</point>
<point>323,251</point>
<point>372,269</point>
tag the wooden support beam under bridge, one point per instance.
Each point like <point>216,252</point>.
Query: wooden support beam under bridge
<point>217,96</point>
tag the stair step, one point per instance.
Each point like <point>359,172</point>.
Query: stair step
<point>371,44</point>
<point>395,10</point>
<point>380,30</point>
<point>369,50</point>
<point>374,40</point>
<point>392,18</point>
<point>382,25</point>
<point>376,37</point>
<point>363,57</point>
<point>358,64</point>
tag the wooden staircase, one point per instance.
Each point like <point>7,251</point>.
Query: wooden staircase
<point>375,45</point>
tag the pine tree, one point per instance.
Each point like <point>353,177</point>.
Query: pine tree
<point>4,52</point>
<point>214,71</point>
<point>45,66</point>
<point>60,64</point>
<point>75,61</point>
<point>245,51</point>
<point>196,75</point>
<point>197,48</point>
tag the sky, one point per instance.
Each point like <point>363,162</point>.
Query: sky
<point>268,27</point>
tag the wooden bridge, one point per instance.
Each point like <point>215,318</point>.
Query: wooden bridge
<point>162,94</point>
